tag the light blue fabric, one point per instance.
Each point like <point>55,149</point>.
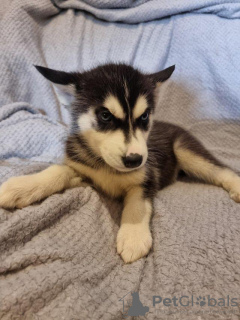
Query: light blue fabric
<point>200,37</point>
<point>148,10</point>
<point>204,47</point>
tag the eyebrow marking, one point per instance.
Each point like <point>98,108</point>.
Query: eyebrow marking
<point>140,106</point>
<point>113,105</point>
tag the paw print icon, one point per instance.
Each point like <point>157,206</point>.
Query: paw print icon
<point>201,301</point>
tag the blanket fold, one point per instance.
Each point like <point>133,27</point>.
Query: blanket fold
<point>149,10</point>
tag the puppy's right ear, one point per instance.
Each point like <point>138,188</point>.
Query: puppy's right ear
<point>64,82</point>
<point>162,76</point>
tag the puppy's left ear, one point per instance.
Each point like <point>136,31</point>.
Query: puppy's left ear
<point>65,83</point>
<point>163,75</point>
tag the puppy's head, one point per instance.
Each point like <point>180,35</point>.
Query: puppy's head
<point>112,109</point>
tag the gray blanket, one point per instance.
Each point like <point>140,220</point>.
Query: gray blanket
<point>58,258</point>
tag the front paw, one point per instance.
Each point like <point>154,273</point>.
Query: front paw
<point>133,242</point>
<point>19,192</point>
<point>235,190</point>
<point>235,195</point>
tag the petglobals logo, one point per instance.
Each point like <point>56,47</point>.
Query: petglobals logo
<point>186,301</point>
<point>208,302</point>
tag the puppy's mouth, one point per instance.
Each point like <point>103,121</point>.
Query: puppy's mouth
<point>124,169</point>
<point>122,164</point>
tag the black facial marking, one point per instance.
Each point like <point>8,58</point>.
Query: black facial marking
<point>113,79</point>
<point>106,120</point>
<point>142,122</point>
<point>78,150</point>
<point>122,81</point>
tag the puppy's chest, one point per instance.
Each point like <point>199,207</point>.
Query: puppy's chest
<point>115,185</point>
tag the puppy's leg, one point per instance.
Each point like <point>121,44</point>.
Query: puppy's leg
<point>23,190</point>
<point>195,160</point>
<point>134,238</point>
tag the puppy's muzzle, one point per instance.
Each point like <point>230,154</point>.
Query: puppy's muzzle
<point>133,160</point>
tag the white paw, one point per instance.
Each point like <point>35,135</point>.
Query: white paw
<point>235,190</point>
<point>235,195</point>
<point>19,192</point>
<point>133,241</point>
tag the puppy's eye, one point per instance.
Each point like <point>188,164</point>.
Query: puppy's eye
<point>105,116</point>
<point>145,116</point>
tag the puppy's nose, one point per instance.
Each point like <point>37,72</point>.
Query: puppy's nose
<point>133,160</point>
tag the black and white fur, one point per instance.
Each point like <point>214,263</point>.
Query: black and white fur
<point>115,144</point>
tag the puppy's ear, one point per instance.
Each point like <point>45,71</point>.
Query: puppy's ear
<point>64,82</point>
<point>163,75</point>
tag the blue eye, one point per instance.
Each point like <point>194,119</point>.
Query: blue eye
<point>145,116</point>
<point>105,116</point>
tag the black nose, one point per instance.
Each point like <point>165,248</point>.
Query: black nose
<point>133,160</point>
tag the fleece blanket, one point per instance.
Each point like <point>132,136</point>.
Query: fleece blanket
<point>58,258</point>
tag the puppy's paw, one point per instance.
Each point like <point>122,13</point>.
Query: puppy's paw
<point>235,190</point>
<point>235,195</point>
<point>19,192</point>
<point>133,242</point>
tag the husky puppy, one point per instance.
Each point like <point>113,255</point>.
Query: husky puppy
<point>115,143</point>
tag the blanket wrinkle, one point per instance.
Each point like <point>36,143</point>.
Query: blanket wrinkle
<point>149,10</point>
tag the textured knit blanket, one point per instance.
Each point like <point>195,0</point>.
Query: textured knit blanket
<point>58,258</point>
